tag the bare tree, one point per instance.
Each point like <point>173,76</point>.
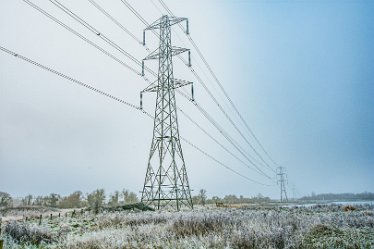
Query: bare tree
<point>5,199</point>
<point>27,201</point>
<point>39,201</point>
<point>202,196</point>
<point>231,199</point>
<point>129,197</point>
<point>74,200</point>
<point>96,200</point>
<point>52,199</point>
<point>114,199</point>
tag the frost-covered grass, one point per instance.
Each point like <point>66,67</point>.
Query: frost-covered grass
<point>28,234</point>
<point>312,227</point>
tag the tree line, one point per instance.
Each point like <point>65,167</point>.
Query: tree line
<point>202,199</point>
<point>365,196</point>
<point>98,199</point>
<point>94,200</point>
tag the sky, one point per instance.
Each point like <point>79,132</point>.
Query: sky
<point>300,73</point>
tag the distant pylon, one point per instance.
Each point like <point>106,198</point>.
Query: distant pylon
<point>282,181</point>
<point>166,182</point>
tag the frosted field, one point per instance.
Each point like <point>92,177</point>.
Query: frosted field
<point>327,226</point>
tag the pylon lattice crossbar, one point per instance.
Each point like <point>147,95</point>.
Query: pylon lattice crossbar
<point>154,87</point>
<point>157,53</point>
<point>166,182</point>
<point>172,20</point>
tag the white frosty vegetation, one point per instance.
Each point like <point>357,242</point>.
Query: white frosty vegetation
<point>313,227</point>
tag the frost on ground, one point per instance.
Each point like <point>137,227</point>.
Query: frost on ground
<point>313,227</point>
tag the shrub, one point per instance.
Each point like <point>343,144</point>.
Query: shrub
<point>5,200</point>
<point>129,219</point>
<point>26,234</point>
<point>349,208</point>
<point>197,225</point>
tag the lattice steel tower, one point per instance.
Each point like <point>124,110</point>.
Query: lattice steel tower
<point>166,181</point>
<point>282,180</point>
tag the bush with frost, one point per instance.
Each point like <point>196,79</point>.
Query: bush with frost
<point>26,234</point>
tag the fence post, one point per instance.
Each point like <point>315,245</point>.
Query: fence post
<point>51,216</point>
<point>1,243</point>
<point>40,220</point>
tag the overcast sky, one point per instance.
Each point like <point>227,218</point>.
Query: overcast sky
<point>300,72</point>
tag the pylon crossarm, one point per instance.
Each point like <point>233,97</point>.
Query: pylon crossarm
<point>177,50</point>
<point>154,55</point>
<point>172,21</point>
<point>181,83</point>
<point>154,87</point>
<point>174,51</point>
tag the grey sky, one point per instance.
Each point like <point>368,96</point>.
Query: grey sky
<point>300,72</point>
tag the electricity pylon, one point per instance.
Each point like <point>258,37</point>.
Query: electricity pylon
<point>282,180</point>
<point>166,181</point>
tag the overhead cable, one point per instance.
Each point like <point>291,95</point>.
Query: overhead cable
<point>87,86</point>
<point>222,88</point>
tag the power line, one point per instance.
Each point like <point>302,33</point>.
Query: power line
<point>135,13</point>
<point>102,50</point>
<point>117,23</point>
<point>188,117</point>
<point>95,30</point>
<point>99,34</point>
<point>216,141</point>
<point>102,10</point>
<point>87,86</point>
<point>138,16</point>
<point>230,120</point>
<point>159,10</point>
<point>98,7</point>
<point>228,138</point>
<point>205,87</point>
<point>81,36</point>
<point>219,128</point>
<point>197,76</point>
<point>68,77</point>
<point>222,164</point>
<point>221,86</point>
